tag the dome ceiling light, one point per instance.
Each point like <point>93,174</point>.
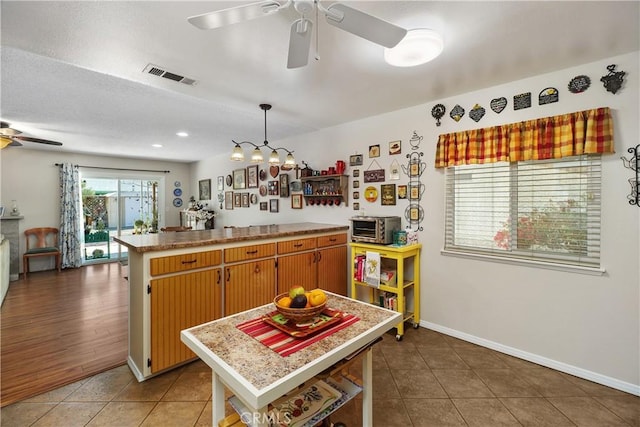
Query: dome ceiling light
<point>418,47</point>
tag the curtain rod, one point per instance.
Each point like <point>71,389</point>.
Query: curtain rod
<point>117,169</point>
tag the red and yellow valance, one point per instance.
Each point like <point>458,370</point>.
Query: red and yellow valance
<point>582,132</point>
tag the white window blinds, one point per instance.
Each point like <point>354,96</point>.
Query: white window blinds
<point>545,210</point>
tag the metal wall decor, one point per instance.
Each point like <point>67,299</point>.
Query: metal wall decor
<point>437,112</point>
<point>613,81</point>
<point>521,101</point>
<point>548,96</point>
<point>457,113</point>
<point>476,113</point>
<point>498,104</point>
<point>414,214</point>
<point>634,164</point>
<point>579,84</point>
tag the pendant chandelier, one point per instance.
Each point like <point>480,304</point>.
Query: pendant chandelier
<point>256,155</point>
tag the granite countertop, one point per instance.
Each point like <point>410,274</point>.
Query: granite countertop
<point>261,366</point>
<point>194,238</point>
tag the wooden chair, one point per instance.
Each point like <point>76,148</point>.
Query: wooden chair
<point>177,228</point>
<point>42,241</point>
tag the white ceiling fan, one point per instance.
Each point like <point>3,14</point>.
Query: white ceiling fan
<point>339,15</point>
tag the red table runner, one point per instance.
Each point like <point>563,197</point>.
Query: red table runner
<point>283,343</point>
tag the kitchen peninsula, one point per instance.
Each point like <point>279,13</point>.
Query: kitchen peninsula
<point>180,280</point>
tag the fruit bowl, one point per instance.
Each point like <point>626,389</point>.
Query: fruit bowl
<point>298,315</point>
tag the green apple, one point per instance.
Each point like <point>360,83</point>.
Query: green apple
<point>296,290</point>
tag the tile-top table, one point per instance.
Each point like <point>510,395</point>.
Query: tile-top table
<point>258,375</point>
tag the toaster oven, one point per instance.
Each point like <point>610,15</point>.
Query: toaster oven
<point>374,229</point>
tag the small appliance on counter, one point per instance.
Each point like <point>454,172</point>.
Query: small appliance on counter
<point>374,229</point>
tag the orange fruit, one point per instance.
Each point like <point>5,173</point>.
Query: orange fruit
<point>284,302</point>
<point>317,297</point>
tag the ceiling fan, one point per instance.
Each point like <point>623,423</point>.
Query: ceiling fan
<point>339,15</point>
<point>11,137</point>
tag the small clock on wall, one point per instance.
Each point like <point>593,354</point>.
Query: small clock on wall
<point>177,202</point>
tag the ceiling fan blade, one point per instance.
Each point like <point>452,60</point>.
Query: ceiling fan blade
<point>38,140</point>
<point>220,18</point>
<point>5,130</point>
<point>299,43</point>
<point>6,141</point>
<point>364,25</point>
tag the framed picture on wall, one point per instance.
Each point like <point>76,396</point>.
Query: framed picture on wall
<point>228,200</point>
<point>296,201</point>
<point>284,185</point>
<point>245,200</point>
<point>221,183</point>
<point>263,206</point>
<point>272,187</point>
<point>237,200</point>
<point>388,194</point>
<point>239,179</point>
<point>273,205</point>
<point>252,176</point>
<point>204,187</point>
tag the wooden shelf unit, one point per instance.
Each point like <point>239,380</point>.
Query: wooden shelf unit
<point>403,257</point>
<point>326,189</point>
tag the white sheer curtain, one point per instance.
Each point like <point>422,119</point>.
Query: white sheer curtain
<point>70,214</point>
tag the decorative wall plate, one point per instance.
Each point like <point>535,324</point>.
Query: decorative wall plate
<point>548,96</point>
<point>437,112</point>
<point>613,81</point>
<point>177,202</point>
<point>254,198</point>
<point>498,104</point>
<point>229,180</point>
<point>476,113</point>
<point>371,194</point>
<point>263,190</point>
<point>177,192</point>
<point>457,113</point>
<point>579,84</point>
<point>274,171</point>
<point>177,184</point>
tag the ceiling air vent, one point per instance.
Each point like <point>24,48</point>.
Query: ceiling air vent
<point>157,71</point>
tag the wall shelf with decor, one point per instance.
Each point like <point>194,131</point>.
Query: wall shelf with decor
<point>326,189</point>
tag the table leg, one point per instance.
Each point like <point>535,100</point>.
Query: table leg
<point>217,399</point>
<point>367,388</point>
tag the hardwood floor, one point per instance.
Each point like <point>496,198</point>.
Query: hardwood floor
<point>58,328</point>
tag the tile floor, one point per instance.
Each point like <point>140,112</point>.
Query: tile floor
<point>428,379</point>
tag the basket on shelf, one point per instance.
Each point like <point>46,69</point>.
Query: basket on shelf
<point>298,315</point>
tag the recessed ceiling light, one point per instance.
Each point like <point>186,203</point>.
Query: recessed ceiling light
<point>418,47</point>
<point>156,145</point>
<point>182,134</point>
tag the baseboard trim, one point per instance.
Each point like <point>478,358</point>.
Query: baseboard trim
<point>134,369</point>
<point>540,360</point>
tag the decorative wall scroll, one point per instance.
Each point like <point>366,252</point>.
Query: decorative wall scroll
<point>521,101</point>
<point>634,164</point>
<point>414,213</point>
<point>548,96</point>
<point>613,81</point>
<point>579,84</point>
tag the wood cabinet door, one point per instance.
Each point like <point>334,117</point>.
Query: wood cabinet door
<point>300,269</point>
<point>332,270</point>
<point>249,285</point>
<point>177,303</point>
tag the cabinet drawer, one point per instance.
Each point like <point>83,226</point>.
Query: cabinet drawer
<point>172,264</point>
<point>332,240</point>
<point>296,245</point>
<point>249,252</point>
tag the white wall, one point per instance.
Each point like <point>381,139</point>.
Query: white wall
<point>31,178</point>
<point>583,324</point>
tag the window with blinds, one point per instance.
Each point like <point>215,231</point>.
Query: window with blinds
<point>543,210</point>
